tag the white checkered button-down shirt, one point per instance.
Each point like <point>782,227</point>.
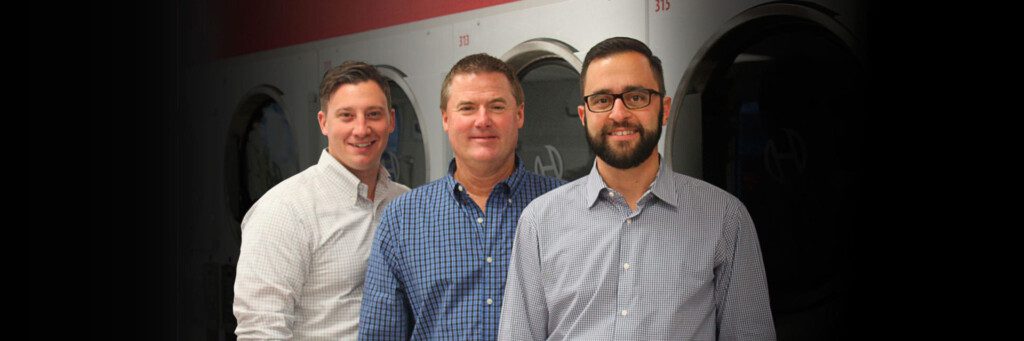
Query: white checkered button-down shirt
<point>304,249</point>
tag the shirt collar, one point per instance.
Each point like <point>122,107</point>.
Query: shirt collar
<point>509,183</point>
<point>663,188</point>
<point>594,185</point>
<point>350,186</point>
<point>665,183</point>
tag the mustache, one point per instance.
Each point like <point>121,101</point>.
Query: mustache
<point>616,125</point>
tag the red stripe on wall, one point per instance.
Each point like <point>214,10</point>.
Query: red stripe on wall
<point>245,26</point>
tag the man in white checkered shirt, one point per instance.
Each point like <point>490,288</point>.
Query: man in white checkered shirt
<point>633,251</point>
<point>305,243</point>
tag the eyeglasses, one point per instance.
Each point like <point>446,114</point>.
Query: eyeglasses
<point>634,99</point>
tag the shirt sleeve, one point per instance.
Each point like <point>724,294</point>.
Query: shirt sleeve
<point>271,272</point>
<point>386,313</point>
<point>741,289</point>
<point>524,312</point>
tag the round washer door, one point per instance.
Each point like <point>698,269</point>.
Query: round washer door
<point>774,113</point>
<point>552,141</point>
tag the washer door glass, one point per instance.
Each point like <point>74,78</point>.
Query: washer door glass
<point>552,141</point>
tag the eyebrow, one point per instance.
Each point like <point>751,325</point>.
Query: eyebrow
<point>496,100</point>
<point>342,109</point>
<point>608,91</point>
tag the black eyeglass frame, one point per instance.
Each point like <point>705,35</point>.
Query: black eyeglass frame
<point>650,94</point>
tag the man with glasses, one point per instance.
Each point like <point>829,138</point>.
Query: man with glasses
<point>633,250</point>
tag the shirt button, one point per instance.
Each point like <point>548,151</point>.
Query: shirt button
<point>509,201</point>
<point>480,220</point>
<point>625,312</point>
<point>490,260</point>
<point>625,266</point>
<point>629,221</point>
<point>490,301</point>
<point>611,194</point>
<point>460,189</point>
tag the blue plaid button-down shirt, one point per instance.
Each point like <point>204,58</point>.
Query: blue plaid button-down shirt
<point>438,263</point>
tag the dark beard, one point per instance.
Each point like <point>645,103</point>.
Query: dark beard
<point>648,141</point>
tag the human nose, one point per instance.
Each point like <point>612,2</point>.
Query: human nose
<point>482,119</point>
<point>361,128</point>
<point>618,112</point>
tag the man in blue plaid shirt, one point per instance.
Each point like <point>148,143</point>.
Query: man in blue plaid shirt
<point>439,258</point>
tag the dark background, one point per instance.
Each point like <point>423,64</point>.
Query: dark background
<point>134,191</point>
<point>135,184</point>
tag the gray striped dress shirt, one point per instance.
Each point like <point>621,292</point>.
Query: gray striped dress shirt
<point>686,265</point>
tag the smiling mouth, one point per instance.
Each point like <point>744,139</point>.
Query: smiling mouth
<point>362,145</point>
<point>622,132</point>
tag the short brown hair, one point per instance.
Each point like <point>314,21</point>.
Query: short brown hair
<point>351,72</point>
<point>480,63</point>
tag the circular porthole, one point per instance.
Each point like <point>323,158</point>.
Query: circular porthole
<point>552,141</point>
<point>405,157</point>
<point>261,150</point>
<point>772,110</point>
